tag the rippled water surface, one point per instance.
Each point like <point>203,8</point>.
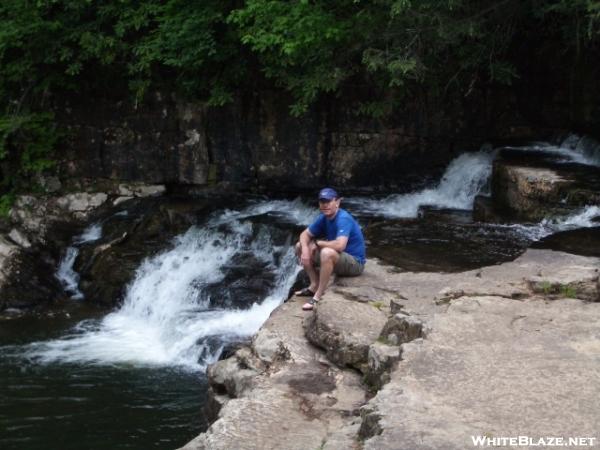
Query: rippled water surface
<point>77,406</point>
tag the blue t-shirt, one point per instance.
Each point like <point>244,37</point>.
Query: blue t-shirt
<point>343,224</point>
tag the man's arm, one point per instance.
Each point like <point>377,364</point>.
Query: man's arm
<point>305,252</point>
<point>339,245</point>
<point>305,238</point>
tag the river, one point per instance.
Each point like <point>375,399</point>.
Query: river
<point>78,377</point>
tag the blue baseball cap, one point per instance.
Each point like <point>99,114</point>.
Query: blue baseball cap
<point>328,194</point>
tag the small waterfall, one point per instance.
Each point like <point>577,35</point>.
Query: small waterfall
<point>90,234</point>
<point>586,217</point>
<point>166,317</point>
<point>65,272</point>
<point>67,276</point>
<point>584,150</point>
<point>573,149</point>
<point>465,177</point>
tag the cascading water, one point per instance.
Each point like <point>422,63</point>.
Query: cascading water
<point>168,317</point>
<point>586,217</point>
<point>65,272</point>
<point>583,150</point>
<point>464,178</point>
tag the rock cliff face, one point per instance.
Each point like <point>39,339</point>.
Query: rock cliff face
<point>419,360</point>
<point>255,143</point>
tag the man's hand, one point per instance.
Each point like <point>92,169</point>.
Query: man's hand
<point>305,257</point>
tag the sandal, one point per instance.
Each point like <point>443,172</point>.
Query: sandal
<point>306,292</point>
<point>309,305</point>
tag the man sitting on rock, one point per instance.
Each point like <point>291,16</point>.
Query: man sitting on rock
<point>333,243</point>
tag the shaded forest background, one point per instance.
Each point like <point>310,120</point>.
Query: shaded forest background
<point>383,52</point>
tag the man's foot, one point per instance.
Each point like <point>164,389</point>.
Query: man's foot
<point>309,305</point>
<point>306,292</point>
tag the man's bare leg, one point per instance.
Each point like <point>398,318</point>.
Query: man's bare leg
<point>310,269</point>
<point>329,258</point>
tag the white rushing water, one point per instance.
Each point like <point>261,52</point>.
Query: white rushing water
<point>574,149</point>
<point>65,272</point>
<point>584,218</point>
<point>165,318</point>
<point>465,177</point>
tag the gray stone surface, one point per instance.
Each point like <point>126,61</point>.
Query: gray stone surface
<point>497,357</point>
<point>301,401</point>
<point>494,367</point>
<point>345,329</point>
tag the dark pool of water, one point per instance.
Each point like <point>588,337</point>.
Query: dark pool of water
<point>443,241</point>
<point>74,406</point>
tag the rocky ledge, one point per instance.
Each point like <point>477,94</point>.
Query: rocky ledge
<point>420,360</point>
<point>40,227</point>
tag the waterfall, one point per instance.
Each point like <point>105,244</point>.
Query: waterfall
<point>573,149</point>
<point>65,273</point>
<point>586,217</point>
<point>584,150</point>
<point>465,177</point>
<point>166,317</point>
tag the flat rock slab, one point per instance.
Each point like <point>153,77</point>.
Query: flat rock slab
<point>495,367</point>
<point>269,419</point>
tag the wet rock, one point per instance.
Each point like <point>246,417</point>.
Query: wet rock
<point>530,191</point>
<point>119,200</point>
<point>584,241</point>
<point>484,210</point>
<point>345,329</point>
<point>247,279</point>
<point>28,280</point>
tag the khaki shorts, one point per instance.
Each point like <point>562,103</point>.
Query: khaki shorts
<point>347,265</point>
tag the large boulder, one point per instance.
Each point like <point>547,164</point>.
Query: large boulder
<point>530,190</point>
<point>345,329</point>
